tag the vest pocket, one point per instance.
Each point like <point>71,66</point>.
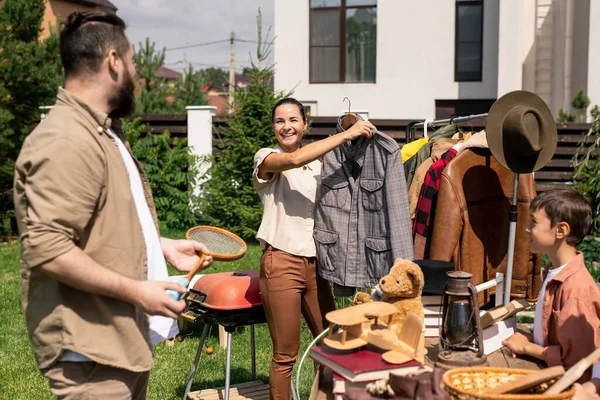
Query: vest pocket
<point>334,191</point>
<point>379,257</point>
<point>326,242</point>
<point>372,194</point>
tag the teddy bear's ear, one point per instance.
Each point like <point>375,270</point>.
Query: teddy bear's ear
<point>413,273</point>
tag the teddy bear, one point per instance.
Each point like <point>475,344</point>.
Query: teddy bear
<point>402,287</point>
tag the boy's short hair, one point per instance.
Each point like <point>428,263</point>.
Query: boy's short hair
<point>566,205</point>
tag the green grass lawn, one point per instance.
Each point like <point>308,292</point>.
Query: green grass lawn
<point>20,378</point>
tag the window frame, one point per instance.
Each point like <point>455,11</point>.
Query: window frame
<point>457,74</point>
<point>342,43</point>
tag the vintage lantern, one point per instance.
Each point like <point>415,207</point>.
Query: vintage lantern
<point>461,337</point>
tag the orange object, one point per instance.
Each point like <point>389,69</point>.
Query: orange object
<point>229,290</point>
<point>209,350</point>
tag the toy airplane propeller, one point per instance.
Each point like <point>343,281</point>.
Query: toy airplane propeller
<point>362,325</point>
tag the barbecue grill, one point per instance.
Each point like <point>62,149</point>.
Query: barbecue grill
<point>230,299</point>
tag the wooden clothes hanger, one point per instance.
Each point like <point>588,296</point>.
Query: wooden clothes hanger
<point>350,118</point>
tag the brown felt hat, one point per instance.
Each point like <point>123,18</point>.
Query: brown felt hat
<point>521,132</point>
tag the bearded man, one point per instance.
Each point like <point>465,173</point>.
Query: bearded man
<point>93,271</point>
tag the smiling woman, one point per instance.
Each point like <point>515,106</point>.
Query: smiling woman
<point>286,178</point>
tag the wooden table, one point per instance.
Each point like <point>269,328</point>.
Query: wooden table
<point>500,358</point>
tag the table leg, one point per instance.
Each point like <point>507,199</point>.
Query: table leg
<point>228,365</point>
<point>253,346</point>
<point>196,359</point>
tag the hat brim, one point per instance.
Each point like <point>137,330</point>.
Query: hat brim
<point>503,150</point>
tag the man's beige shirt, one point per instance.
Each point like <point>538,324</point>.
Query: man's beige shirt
<point>72,189</point>
<point>288,206</point>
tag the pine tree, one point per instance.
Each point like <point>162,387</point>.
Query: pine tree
<point>216,76</point>
<point>188,90</point>
<point>30,74</point>
<point>229,199</point>
<point>154,90</point>
<point>157,95</point>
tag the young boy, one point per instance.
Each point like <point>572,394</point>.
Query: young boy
<point>566,325</point>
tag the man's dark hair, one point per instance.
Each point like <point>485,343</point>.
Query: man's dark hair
<point>86,39</point>
<point>566,205</point>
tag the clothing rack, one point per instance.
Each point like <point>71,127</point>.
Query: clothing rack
<point>513,208</point>
<point>414,124</point>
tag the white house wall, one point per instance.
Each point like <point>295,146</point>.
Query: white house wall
<point>516,55</point>
<point>593,80</point>
<point>581,38</point>
<point>415,59</point>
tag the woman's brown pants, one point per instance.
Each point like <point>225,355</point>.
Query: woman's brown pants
<point>290,285</point>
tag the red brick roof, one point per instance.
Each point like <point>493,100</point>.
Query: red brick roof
<point>167,73</point>
<point>220,101</point>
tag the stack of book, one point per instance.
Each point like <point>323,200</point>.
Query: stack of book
<point>432,306</point>
<point>356,368</point>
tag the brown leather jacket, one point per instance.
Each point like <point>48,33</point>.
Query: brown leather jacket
<point>471,220</point>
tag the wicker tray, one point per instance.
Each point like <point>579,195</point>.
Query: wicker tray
<point>469,383</point>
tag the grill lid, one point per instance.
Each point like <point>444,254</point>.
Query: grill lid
<point>230,290</point>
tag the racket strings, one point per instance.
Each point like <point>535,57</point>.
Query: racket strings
<point>217,242</point>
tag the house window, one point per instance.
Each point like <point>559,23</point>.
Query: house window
<point>468,47</point>
<point>343,41</point>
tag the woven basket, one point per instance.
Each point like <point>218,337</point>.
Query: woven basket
<point>469,383</point>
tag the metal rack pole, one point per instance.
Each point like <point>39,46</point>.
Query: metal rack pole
<point>448,120</point>
<point>414,124</point>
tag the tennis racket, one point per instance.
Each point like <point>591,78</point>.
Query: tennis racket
<point>222,245</point>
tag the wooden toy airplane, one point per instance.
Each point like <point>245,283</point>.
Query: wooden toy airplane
<point>363,324</point>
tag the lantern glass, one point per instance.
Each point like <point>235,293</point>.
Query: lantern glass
<point>458,325</point>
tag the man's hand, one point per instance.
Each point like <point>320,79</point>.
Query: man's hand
<point>151,297</point>
<point>517,344</point>
<point>184,254</point>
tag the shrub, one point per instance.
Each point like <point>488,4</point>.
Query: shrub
<point>564,116</point>
<point>591,249</point>
<point>581,102</point>
<point>587,171</point>
<point>169,165</point>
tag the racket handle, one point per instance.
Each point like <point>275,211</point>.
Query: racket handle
<point>183,282</point>
<point>196,268</point>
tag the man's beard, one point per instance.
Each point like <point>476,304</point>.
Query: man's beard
<point>123,102</point>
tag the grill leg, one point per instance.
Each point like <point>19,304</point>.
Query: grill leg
<point>253,347</point>
<point>196,359</point>
<point>228,366</point>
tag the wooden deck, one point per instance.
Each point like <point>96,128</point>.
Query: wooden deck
<point>256,390</point>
